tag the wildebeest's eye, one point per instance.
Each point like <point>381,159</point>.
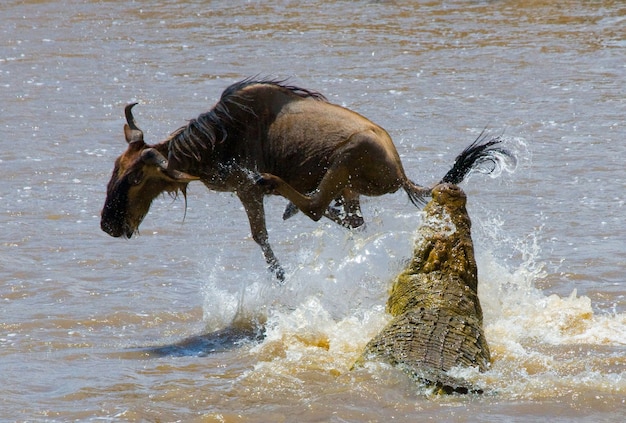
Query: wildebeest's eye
<point>136,178</point>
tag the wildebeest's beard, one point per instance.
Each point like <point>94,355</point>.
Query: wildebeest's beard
<point>114,219</point>
<point>127,203</point>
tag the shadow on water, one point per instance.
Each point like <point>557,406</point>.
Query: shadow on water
<point>226,339</point>
<point>201,345</point>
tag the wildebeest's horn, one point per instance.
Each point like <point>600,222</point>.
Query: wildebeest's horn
<point>153,157</point>
<point>129,116</point>
<point>132,132</point>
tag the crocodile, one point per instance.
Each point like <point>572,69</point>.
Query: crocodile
<point>437,322</point>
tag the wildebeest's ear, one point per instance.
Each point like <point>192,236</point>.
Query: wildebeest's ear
<point>180,176</point>
<point>151,156</point>
<point>132,133</point>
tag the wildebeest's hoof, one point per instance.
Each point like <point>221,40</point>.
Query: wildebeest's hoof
<point>279,272</point>
<point>355,222</point>
<point>290,211</point>
<point>347,220</point>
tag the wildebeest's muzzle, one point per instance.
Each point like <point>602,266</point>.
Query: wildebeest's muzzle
<point>113,219</point>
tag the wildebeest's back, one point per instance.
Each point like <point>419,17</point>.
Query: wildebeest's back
<point>305,136</point>
<point>286,131</point>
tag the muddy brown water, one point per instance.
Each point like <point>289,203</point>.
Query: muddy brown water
<point>100,329</point>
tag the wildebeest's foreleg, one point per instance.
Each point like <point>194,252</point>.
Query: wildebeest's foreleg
<point>253,204</point>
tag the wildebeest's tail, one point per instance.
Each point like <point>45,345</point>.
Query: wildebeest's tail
<point>484,155</point>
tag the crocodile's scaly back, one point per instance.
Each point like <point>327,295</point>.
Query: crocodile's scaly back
<point>437,322</point>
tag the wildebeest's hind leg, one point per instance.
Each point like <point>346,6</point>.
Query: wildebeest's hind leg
<point>354,169</point>
<point>315,205</point>
<point>252,201</point>
<point>346,211</point>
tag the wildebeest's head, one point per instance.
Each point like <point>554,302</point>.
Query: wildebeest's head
<point>140,175</point>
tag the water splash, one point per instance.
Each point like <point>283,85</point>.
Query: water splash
<point>543,345</point>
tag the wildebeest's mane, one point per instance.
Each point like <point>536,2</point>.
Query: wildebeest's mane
<point>280,83</point>
<point>210,128</point>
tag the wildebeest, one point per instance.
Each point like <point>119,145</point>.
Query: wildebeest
<point>268,137</point>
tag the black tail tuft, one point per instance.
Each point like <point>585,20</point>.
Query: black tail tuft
<point>483,155</point>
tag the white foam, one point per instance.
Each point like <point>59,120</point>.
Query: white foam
<point>334,297</point>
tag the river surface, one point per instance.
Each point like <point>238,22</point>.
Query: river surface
<point>94,328</point>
